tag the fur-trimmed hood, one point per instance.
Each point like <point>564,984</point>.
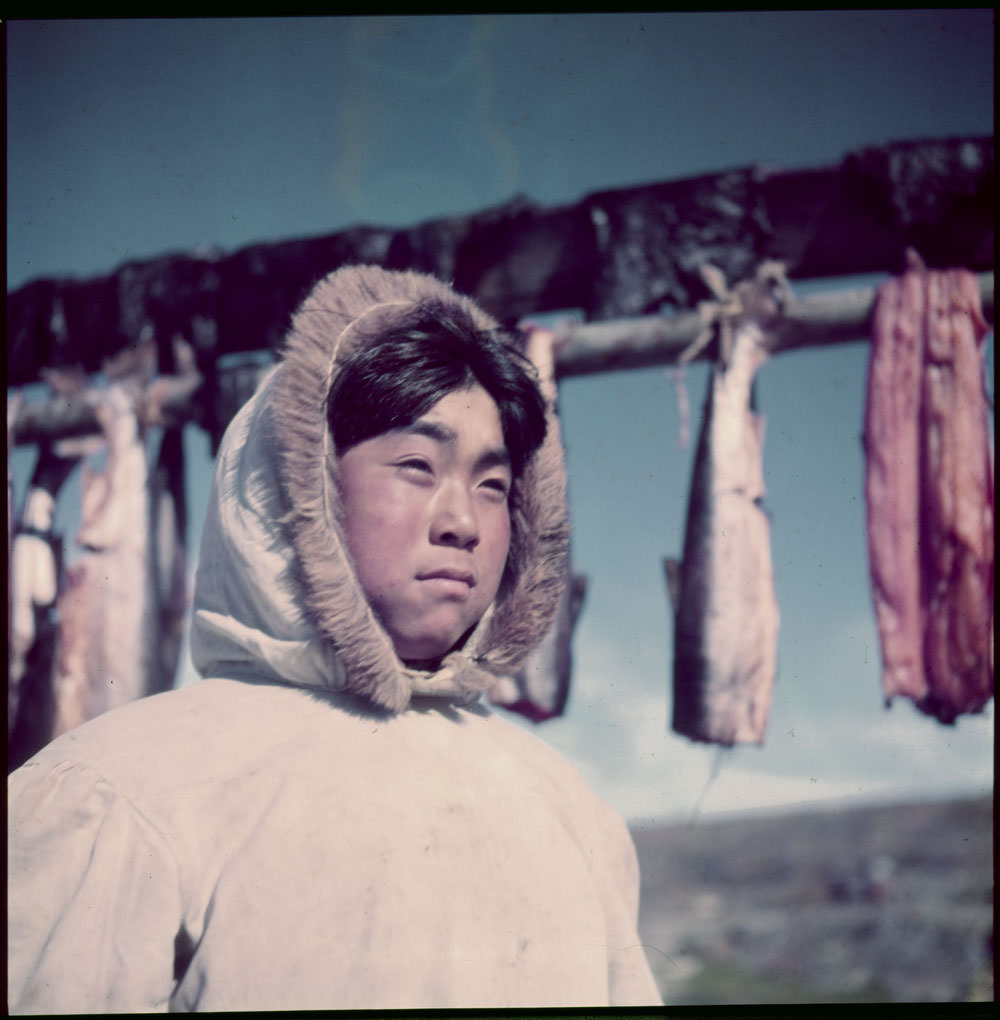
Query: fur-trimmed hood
<point>276,595</point>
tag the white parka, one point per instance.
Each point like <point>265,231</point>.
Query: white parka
<point>314,825</point>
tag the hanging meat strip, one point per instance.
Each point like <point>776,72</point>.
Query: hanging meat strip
<point>726,612</point>
<point>540,688</point>
<point>929,492</point>
<point>122,606</point>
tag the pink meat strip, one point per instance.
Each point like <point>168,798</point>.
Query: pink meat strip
<point>929,491</point>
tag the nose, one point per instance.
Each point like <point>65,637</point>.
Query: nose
<point>454,520</point>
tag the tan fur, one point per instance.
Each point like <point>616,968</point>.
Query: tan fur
<point>341,312</point>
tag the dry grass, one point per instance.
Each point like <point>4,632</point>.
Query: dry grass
<point>877,904</point>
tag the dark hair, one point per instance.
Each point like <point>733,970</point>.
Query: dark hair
<point>430,351</point>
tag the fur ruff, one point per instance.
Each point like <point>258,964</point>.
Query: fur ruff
<point>333,320</point>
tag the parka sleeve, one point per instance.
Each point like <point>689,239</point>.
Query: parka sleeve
<point>630,978</point>
<point>94,900</point>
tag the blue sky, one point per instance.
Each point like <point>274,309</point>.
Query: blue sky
<point>128,139</point>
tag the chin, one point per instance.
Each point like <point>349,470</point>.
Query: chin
<point>430,646</point>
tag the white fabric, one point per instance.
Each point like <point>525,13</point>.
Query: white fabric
<point>318,858</point>
<point>247,619</point>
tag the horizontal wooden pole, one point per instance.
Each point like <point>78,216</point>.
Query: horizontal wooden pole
<point>841,316</point>
<point>167,401</point>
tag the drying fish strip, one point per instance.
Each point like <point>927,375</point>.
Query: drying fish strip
<point>929,492</point>
<point>726,619</point>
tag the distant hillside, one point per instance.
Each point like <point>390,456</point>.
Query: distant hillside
<point>891,903</point>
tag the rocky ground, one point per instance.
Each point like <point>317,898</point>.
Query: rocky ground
<point>876,904</point>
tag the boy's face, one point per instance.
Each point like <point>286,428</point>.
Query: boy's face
<point>427,523</point>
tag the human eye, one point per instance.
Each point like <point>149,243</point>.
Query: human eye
<point>496,486</point>
<point>419,468</point>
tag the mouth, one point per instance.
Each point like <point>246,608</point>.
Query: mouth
<point>449,574</point>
